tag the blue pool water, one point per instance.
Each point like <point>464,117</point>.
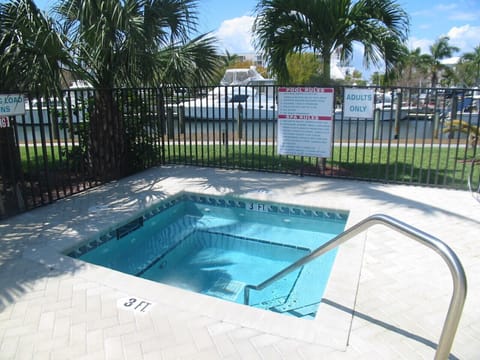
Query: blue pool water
<point>216,246</point>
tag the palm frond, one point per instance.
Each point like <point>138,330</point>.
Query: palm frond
<point>33,53</point>
<point>193,63</point>
<point>285,26</point>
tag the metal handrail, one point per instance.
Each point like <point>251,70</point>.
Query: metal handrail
<point>456,269</point>
<point>475,192</point>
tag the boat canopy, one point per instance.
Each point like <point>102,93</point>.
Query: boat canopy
<point>241,76</point>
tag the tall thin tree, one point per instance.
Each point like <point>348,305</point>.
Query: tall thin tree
<point>439,50</point>
<point>472,60</point>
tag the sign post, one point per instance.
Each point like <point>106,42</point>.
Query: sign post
<point>305,121</point>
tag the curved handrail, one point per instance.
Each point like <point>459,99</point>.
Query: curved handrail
<point>456,269</point>
<point>475,192</point>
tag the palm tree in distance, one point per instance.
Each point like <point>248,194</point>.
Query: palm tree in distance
<point>439,50</point>
<point>324,26</point>
<point>230,59</point>
<point>472,59</point>
<point>412,68</point>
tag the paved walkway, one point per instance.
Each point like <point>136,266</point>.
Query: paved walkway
<point>387,298</point>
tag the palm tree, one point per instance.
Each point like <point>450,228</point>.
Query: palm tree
<point>230,59</point>
<point>472,59</point>
<point>32,51</point>
<point>31,58</point>
<point>302,68</point>
<point>109,43</point>
<point>411,68</point>
<point>438,51</point>
<point>120,43</point>
<point>136,42</point>
<point>324,26</point>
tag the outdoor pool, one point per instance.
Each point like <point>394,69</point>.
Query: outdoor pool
<point>217,245</point>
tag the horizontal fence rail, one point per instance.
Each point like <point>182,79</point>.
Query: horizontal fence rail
<point>62,145</point>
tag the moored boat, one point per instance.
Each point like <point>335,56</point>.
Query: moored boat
<point>242,93</point>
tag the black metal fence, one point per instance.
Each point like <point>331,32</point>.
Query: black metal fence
<point>417,136</point>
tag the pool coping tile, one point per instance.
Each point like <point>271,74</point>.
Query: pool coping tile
<point>350,321</point>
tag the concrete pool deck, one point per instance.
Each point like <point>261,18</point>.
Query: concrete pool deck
<point>387,298</point>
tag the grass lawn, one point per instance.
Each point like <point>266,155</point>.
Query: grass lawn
<point>416,165</point>
<point>438,166</point>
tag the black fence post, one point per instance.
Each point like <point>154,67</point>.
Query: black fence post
<point>43,160</point>
<point>11,197</point>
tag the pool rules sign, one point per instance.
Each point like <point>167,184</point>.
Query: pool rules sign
<point>305,121</point>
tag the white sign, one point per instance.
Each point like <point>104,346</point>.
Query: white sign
<point>358,103</point>
<point>305,121</point>
<point>12,104</point>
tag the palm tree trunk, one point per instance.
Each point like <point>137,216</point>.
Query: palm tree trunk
<point>107,138</point>
<point>326,57</point>
<point>477,77</point>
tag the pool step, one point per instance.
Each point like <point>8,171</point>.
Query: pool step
<point>304,311</point>
<point>271,304</point>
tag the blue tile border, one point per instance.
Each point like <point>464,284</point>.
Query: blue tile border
<point>241,203</point>
<point>218,201</point>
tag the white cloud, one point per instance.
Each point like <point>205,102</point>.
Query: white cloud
<point>464,16</point>
<point>446,7</point>
<point>423,44</point>
<point>454,12</point>
<point>465,37</point>
<point>452,61</point>
<point>235,35</point>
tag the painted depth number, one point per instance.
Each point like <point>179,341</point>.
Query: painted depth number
<point>4,122</point>
<point>252,206</point>
<point>135,304</point>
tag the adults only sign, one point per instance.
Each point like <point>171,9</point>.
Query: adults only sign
<point>358,103</point>
<point>305,121</point>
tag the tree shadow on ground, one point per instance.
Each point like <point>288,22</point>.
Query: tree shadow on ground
<point>42,232</point>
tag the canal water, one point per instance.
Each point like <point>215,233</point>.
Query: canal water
<point>29,131</point>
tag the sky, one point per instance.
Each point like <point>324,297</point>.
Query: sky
<point>231,20</point>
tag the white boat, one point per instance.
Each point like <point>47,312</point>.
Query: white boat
<point>242,93</point>
<point>468,107</point>
<point>77,89</point>
<point>50,103</point>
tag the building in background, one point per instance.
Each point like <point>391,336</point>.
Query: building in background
<point>337,71</point>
